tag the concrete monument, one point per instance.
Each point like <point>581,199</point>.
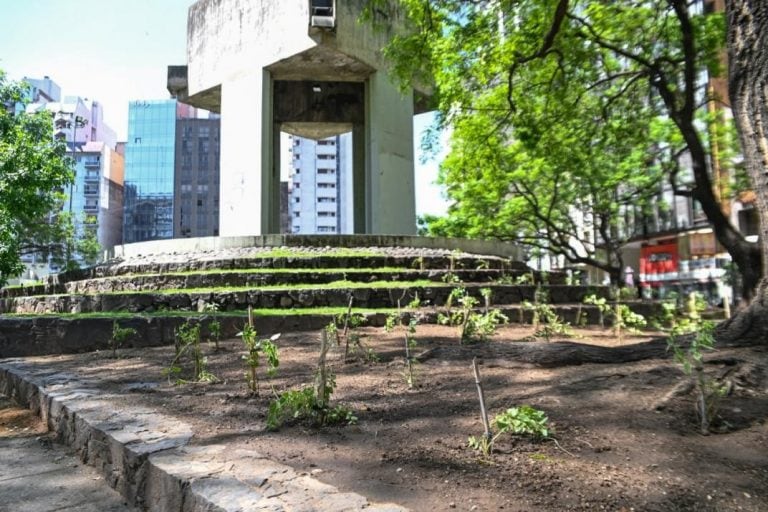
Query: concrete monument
<point>309,68</point>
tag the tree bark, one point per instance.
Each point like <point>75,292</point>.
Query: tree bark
<point>748,90</point>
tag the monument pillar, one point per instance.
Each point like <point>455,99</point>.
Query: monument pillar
<point>390,193</point>
<point>246,154</point>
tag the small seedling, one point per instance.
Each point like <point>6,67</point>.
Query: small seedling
<point>188,343</point>
<point>394,320</point>
<point>521,421</point>
<point>119,336</point>
<point>603,308</point>
<point>473,327</point>
<point>255,348</point>
<point>214,326</point>
<point>311,403</point>
<point>487,295</point>
<point>709,392</point>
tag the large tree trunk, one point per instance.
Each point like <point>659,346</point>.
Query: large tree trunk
<point>748,89</point>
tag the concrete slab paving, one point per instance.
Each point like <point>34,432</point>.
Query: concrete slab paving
<point>37,475</point>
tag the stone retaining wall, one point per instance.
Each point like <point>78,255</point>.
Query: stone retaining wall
<point>374,298</point>
<point>207,262</point>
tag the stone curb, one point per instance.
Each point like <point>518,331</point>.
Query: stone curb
<point>147,456</point>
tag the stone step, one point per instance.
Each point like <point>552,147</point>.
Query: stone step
<point>272,277</point>
<point>287,298</point>
<point>355,260</point>
<point>152,282</point>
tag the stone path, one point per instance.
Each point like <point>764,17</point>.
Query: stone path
<point>37,475</point>
<point>148,458</point>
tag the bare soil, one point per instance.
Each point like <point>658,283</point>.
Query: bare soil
<point>18,422</point>
<point>624,441</point>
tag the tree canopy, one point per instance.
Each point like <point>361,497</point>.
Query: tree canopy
<point>34,171</point>
<point>566,106</point>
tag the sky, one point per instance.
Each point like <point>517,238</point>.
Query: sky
<point>117,51</point>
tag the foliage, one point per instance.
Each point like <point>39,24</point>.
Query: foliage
<point>473,326</point>
<point>353,344</point>
<point>303,405</point>
<point>523,421</point>
<point>34,170</point>
<point>554,105</point>
<point>214,325</point>
<point>119,336</point>
<point>603,308</point>
<point>709,391</point>
<point>625,318</point>
<point>544,319</point>
<point>255,348</point>
<point>188,344</point>
<point>311,403</point>
<point>394,320</point>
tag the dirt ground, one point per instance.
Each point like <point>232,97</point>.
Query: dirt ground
<point>16,422</point>
<point>615,449</point>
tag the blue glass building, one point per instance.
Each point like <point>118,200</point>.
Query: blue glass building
<point>149,170</point>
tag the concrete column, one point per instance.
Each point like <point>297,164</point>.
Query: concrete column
<point>272,185</point>
<point>247,155</point>
<point>390,192</point>
<point>358,178</point>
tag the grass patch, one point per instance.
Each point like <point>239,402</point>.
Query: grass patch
<point>340,252</point>
<point>291,271</point>
<point>194,314</point>
<point>335,285</point>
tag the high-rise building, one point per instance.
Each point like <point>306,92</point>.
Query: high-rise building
<point>95,198</point>
<point>196,184</point>
<point>149,168</point>
<point>171,172</point>
<point>321,185</point>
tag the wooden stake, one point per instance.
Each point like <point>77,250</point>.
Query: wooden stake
<point>346,326</point>
<point>250,315</point>
<point>488,435</point>
<point>409,362</point>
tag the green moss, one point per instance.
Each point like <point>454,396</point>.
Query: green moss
<point>195,314</point>
<point>277,271</point>
<point>335,285</point>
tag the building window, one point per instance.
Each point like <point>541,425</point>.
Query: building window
<point>326,171</point>
<point>326,199</point>
<point>326,229</point>
<point>326,185</point>
<point>326,157</point>
<point>326,214</point>
<point>326,142</point>
<point>297,199</point>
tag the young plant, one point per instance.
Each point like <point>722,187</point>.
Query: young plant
<point>353,345</point>
<point>487,295</point>
<point>311,402</point>
<point>392,322</point>
<point>603,308</point>
<point>521,421</point>
<point>545,320</point>
<point>473,327</point>
<point>255,348</point>
<point>119,336</point>
<point>626,319</point>
<point>709,392</point>
<point>214,325</point>
<point>188,343</point>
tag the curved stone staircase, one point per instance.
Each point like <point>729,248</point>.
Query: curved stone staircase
<point>296,286</point>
